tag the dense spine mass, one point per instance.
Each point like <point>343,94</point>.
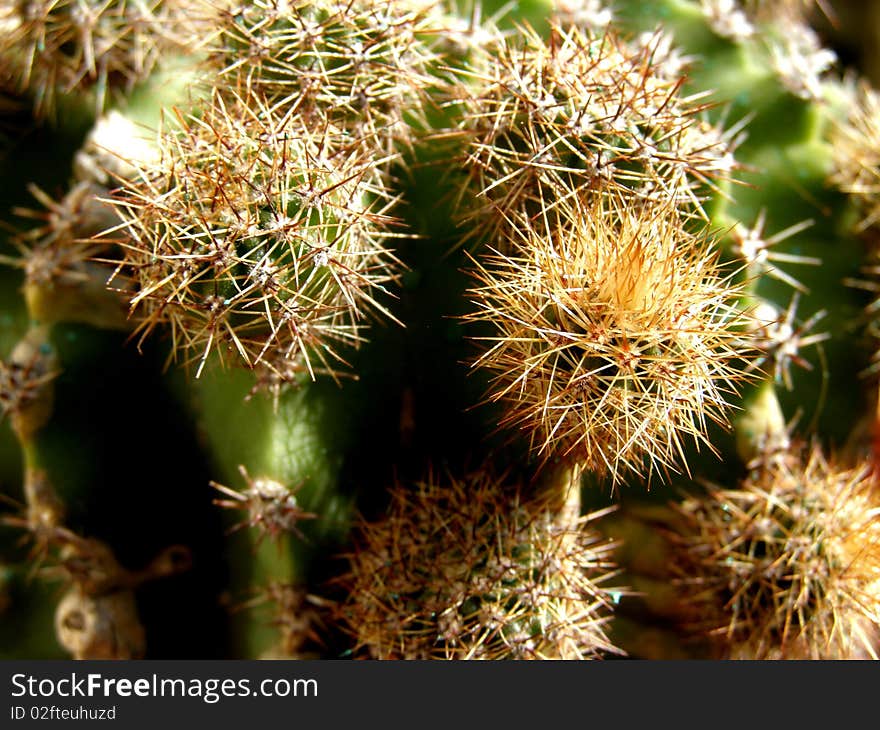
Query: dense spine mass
<point>613,337</point>
<point>787,564</point>
<point>465,569</point>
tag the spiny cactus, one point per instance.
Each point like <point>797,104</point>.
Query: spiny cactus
<point>613,337</point>
<point>59,47</point>
<point>349,250</point>
<point>463,569</point>
<point>785,565</point>
<point>256,237</point>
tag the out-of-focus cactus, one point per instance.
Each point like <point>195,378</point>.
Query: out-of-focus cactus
<point>61,48</point>
<point>437,330</point>
<point>464,569</point>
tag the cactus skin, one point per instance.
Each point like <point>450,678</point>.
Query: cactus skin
<point>750,204</point>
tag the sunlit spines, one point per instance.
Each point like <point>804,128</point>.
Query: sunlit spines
<point>756,249</point>
<point>360,66</point>
<point>584,113</point>
<point>255,235</point>
<point>614,341</point>
<point>780,337</point>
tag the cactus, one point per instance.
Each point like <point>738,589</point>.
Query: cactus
<point>437,330</point>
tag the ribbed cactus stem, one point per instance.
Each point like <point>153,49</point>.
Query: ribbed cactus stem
<point>559,488</point>
<point>760,427</point>
<point>277,467</point>
<point>28,399</point>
